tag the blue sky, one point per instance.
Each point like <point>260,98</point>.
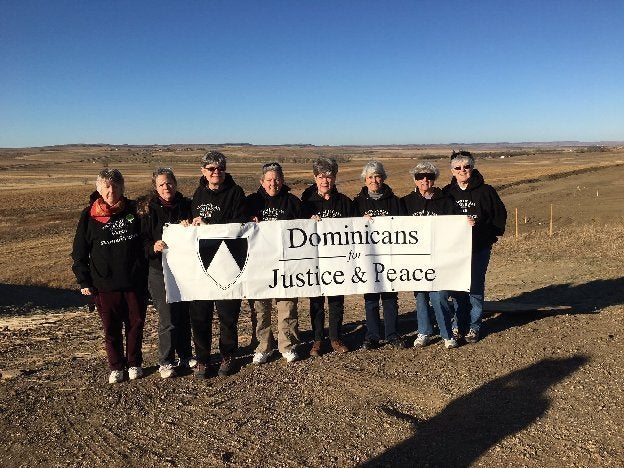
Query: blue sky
<point>320,72</point>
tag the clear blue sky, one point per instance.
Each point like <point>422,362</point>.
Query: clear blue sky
<point>322,72</point>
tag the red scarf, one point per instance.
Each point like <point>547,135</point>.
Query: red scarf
<point>102,212</point>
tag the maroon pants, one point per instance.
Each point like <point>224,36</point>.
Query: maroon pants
<point>119,310</point>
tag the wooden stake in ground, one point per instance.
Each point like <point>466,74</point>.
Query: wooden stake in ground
<point>551,222</point>
<point>516,223</point>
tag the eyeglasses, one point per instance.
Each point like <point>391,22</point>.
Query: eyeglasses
<point>466,167</point>
<point>212,169</point>
<point>424,175</point>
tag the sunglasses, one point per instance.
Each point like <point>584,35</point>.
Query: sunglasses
<point>212,169</point>
<point>466,167</point>
<point>424,175</point>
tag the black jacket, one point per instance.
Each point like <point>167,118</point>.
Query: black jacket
<point>388,205</point>
<point>225,205</point>
<point>284,205</point>
<point>153,223</point>
<point>439,204</point>
<point>338,205</point>
<point>109,257</point>
<point>481,201</point>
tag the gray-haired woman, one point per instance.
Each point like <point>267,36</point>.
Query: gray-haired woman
<point>427,200</point>
<point>108,262</point>
<point>487,215</point>
<point>377,199</point>
<point>165,205</point>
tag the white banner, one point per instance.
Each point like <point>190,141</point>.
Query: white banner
<point>305,258</point>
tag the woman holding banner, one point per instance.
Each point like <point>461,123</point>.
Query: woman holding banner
<point>109,264</point>
<point>427,200</point>
<point>377,199</point>
<point>273,201</point>
<point>488,216</point>
<point>165,205</point>
<point>322,200</point>
<point>217,200</point>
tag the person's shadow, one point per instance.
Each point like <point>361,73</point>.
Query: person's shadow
<point>473,423</point>
<point>17,299</point>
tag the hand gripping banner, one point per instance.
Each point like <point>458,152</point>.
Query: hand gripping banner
<point>305,258</point>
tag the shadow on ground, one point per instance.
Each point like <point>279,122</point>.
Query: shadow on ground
<point>17,299</point>
<point>470,425</point>
<point>559,299</point>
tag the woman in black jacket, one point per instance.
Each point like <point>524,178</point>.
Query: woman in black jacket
<point>377,199</point>
<point>109,264</point>
<point>322,200</point>
<point>488,216</point>
<point>217,200</point>
<point>427,200</point>
<point>272,202</point>
<point>165,205</point>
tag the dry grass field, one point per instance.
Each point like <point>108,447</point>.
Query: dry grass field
<point>544,387</point>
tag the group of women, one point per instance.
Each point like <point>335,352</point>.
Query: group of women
<point>118,246</point>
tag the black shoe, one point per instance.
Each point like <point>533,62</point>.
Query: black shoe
<point>397,343</point>
<point>227,366</point>
<point>201,371</point>
<point>370,344</point>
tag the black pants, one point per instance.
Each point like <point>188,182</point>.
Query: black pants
<point>174,325</point>
<point>201,323</point>
<point>317,316</point>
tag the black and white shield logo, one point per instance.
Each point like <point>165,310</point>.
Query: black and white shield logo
<point>223,260</point>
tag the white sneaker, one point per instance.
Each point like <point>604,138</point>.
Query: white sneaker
<point>116,376</point>
<point>450,344</point>
<point>290,356</point>
<point>167,371</point>
<point>135,373</point>
<point>190,363</point>
<point>261,358</point>
<point>422,340</point>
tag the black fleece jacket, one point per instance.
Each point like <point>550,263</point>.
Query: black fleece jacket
<point>225,205</point>
<point>439,204</point>
<point>481,201</point>
<point>388,205</point>
<point>153,223</point>
<point>109,256</point>
<point>338,205</point>
<point>284,205</point>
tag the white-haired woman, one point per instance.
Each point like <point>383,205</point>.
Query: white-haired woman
<point>165,205</point>
<point>322,200</point>
<point>488,216</point>
<point>377,199</point>
<point>428,200</point>
<point>108,262</point>
<point>271,202</point>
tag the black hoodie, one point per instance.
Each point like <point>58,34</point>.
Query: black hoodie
<point>284,205</point>
<point>338,205</point>
<point>109,256</point>
<point>153,223</point>
<point>481,201</point>
<point>388,205</point>
<point>221,206</point>
<point>439,204</point>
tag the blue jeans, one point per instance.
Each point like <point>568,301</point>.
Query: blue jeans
<point>390,303</point>
<point>469,306</point>
<point>441,309</point>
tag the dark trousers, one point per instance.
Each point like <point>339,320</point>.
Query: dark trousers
<point>390,303</point>
<point>317,316</point>
<point>201,322</point>
<point>174,323</point>
<point>119,310</point>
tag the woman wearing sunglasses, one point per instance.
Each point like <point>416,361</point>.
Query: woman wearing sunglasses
<point>428,200</point>
<point>488,216</point>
